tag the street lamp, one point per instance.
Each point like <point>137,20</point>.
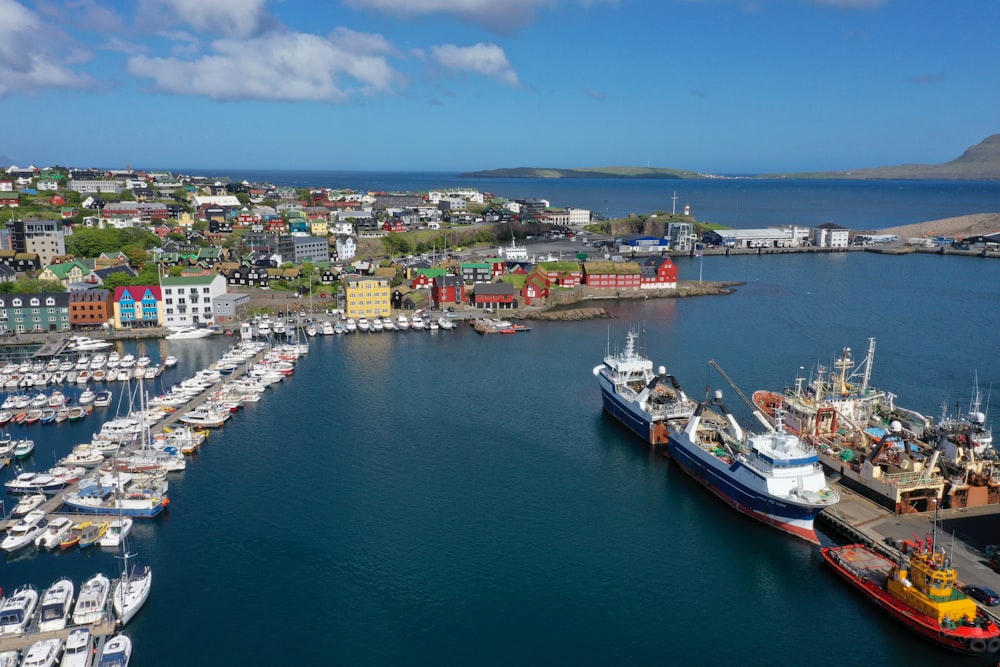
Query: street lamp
<point>698,253</point>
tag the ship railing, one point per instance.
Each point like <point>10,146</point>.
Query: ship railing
<point>906,481</point>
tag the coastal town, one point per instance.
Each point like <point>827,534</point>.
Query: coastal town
<point>124,250</point>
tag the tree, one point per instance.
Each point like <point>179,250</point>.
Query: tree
<point>136,254</point>
<point>31,286</point>
<point>120,280</point>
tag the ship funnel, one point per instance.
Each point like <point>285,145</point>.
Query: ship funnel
<point>718,394</point>
<point>895,426</point>
<point>662,370</point>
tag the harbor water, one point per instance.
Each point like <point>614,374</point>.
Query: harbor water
<point>450,498</point>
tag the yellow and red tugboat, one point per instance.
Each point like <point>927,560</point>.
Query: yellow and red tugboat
<point>920,591</point>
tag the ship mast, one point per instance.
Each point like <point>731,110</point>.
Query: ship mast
<point>868,365</point>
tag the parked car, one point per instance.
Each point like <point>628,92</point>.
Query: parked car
<point>983,594</point>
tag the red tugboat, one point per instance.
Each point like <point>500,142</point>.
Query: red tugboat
<point>920,592</point>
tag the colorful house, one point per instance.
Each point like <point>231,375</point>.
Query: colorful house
<point>66,272</point>
<point>563,274</point>
<point>447,290</point>
<point>477,272</point>
<point>612,275</point>
<point>90,308</point>
<point>425,277</point>
<point>535,290</point>
<point>187,300</point>
<point>137,307</point>
<point>658,273</point>
<point>494,295</point>
<point>366,296</point>
<point>44,311</point>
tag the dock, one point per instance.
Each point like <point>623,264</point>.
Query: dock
<point>861,520</point>
<point>19,642</point>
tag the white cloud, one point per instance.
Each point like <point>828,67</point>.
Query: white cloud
<point>489,13</point>
<point>487,59</point>
<point>232,18</point>
<point>32,53</point>
<point>277,66</point>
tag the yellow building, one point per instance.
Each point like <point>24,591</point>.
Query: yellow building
<point>367,297</point>
<point>319,227</point>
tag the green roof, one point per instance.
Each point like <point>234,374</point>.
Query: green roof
<point>62,270</point>
<point>560,266</point>
<point>613,268</point>
<point>175,281</point>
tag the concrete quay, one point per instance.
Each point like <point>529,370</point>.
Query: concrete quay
<point>962,532</point>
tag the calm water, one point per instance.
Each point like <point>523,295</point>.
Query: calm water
<point>451,498</point>
<point>735,203</point>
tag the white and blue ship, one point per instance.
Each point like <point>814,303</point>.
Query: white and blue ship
<point>644,401</point>
<point>773,477</point>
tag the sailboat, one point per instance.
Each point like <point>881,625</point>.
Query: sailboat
<point>132,590</point>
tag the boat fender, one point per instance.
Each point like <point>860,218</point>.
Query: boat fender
<point>977,645</point>
<point>993,645</point>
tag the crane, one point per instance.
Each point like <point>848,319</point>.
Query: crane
<point>761,417</point>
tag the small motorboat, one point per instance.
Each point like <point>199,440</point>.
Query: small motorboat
<point>24,448</point>
<point>28,503</point>
<point>117,531</point>
<point>87,397</point>
<point>24,531</point>
<point>79,650</point>
<point>55,605</point>
<point>102,399</point>
<point>92,533</point>
<point>72,538</point>
<point>116,653</point>
<point>170,361</point>
<point>93,599</point>
<point>17,610</point>
<point>55,532</point>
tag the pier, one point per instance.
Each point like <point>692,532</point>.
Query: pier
<point>98,631</point>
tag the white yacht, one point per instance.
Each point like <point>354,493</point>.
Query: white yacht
<point>55,606</point>
<point>24,531</point>
<point>92,600</point>
<point>118,529</point>
<point>189,333</point>
<point>17,610</point>
<point>53,535</point>
<point>116,653</point>
<point>43,653</point>
<point>79,649</point>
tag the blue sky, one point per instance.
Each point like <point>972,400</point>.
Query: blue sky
<point>720,86</point>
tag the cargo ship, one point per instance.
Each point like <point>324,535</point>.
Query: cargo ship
<point>920,591</point>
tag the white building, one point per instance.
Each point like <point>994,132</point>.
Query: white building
<point>578,217</point>
<point>831,235</point>
<point>229,201</point>
<point>346,246</point>
<point>187,301</point>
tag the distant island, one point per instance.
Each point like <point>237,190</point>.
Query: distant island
<point>979,162</point>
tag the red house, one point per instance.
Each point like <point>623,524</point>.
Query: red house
<point>425,277</point>
<point>658,273</point>
<point>612,275</point>
<point>494,295</point>
<point>447,290</point>
<point>394,225</point>
<point>536,288</point>
<point>564,274</point>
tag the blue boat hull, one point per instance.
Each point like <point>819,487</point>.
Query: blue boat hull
<point>626,412</point>
<point>717,477</point>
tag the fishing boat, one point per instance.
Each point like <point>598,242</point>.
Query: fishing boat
<point>43,653</point>
<point>773,477</point>
<point>24,531</point>
<point>72,538</point>
<point>920,590</point>
<point>78,412</point>
<point>126,494</point>
<point>92,533</point>
<point>644,401</point>
<point>92,601</point>
<point>17,610</point>
<point>116,653</point>
<point>55,605</point>
<point>861,435</point>
<point>53,535</point>
<point>79,650</point>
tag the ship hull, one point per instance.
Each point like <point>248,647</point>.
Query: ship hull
<point>971,640</point>
<point>719,478</point>
<point>626,412</point>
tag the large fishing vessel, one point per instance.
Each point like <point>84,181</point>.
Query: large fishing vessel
<point>772,477</point>
<point>644,401</point>
<point>920,591</point>
<point>862,436</point>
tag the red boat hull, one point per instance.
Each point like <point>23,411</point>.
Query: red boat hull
<point>969,639</point>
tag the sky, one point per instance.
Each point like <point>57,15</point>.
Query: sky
<point>715,86</point>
